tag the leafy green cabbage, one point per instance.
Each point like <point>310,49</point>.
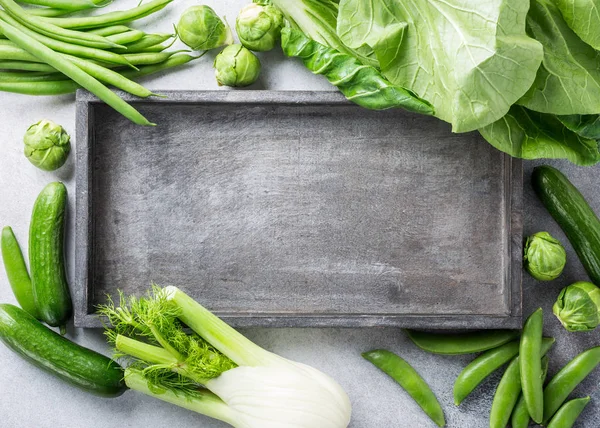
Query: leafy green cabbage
<point>471,59</point>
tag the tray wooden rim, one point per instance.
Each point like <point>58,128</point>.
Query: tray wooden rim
<point>83,316</point>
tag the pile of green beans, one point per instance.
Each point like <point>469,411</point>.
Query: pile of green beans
<point>520,396</point>
<point>44,53</point>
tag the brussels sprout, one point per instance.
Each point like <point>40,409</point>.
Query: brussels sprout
<point>201,29</point>
<point>578,306</point>
<point>259,27</point>
<point>236,66</point>
<point>544,257</point>
<point>47,145</point>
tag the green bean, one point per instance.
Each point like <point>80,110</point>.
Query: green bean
<point>31,77</point>
<point>110,77</point>
<point>408,378</point>
<point>110,31</point>
<point>68,48</point>
<point>145,42</point>
<point>465,343</point>
<point>481,367</point>
<point>125,38</point>
<point>155,48</point>
<point>63,4</point>
<point>72,71</point>
<point>531,368</point>
<point>565,381</point>
<point>16,271</point>
<point>14,53</point>
<point>39,25</point>
<point>566,416</point>
<point>48,12</point>
<point>111,18</point>
<point>520,416</point>
<point>26,66</point>
<point>510,387</point>
<point>150,58</point>
<point>68,86</point>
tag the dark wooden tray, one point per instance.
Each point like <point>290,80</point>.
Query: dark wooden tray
<point>297,209</point>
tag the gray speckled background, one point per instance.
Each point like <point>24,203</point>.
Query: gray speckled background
<point>30,398</point>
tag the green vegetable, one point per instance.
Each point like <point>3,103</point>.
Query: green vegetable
<point>53,353</point>
<point>16,271</point>
<point>566,416</point>
<point>259,26</point>
<point>520,417</point>
<point>201,29</point>
<point>568,81</point>
<point>580,15</point>
<point>578,306</point>
<point>530,353</point>
<point>26,66</point>
<point>75,73</point>
<point>47,145</point>
<point>110,31</point>
<point>215,370</point>
<point>144,43</point>
<point>359,83</point>
<point>527,134</point>
<point>110,18</point>
<point>409,380</point>
<point>464,343</point>
<point>472,60</point>
<point>481,367</point>
<point>544,257</point>
<point>46,256</point>
<point>571,211</point>
<point>565,381</point>
<point>587,126</point>
<point>236,66</point>
<point>63,4</point>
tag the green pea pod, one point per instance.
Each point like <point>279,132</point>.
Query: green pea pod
<point>481,367</point>
<point>16,271</point>
<point>531,368</point>
<point>361,84</point>
<point>565,381</point>
<point>459,344</point>
<point>520,417</point>
<point>409,380</point>
<point>568,413</point>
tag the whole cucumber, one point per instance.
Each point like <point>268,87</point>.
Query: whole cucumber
<point>46,256</point>
<point>573,214</point>
<point>50,351</point>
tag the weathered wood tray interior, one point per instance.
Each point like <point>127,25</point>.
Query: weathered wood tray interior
<point>297,209</point>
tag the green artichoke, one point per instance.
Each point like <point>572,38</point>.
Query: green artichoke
<point>47,145</point>
<point>544,257</point>
<point>259,27</point>
<point>578,306</point>
<point>236,66</point>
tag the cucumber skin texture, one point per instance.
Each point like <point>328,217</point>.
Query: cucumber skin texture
<point>53,353</point>
<point>46,256</point>
<point>16,271</point>
<point>573,214</point>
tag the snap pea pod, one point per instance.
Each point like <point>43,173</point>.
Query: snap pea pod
<point>64,47</point>
<point>111,77</point>
<point>72,71</point>
<point>145,42</point>
<point>566,416</point>
<point>481,367</point>
<point>565,381</point>
<point>111,18</point>
<point>509,389</point>
<point>16,271</point>
<point>110,31</point>
<point>39,25</point>
<point>26,66</point>
<point>459,344</point>
<point>531,369</point>
<point>520,417</point>
<point>408,378</point>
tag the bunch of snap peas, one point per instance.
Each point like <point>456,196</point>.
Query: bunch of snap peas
<point>44,53</point>
<point>520,395</point>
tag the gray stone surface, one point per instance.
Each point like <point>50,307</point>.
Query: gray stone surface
<point>297,209</point>
<point>30,398</point>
